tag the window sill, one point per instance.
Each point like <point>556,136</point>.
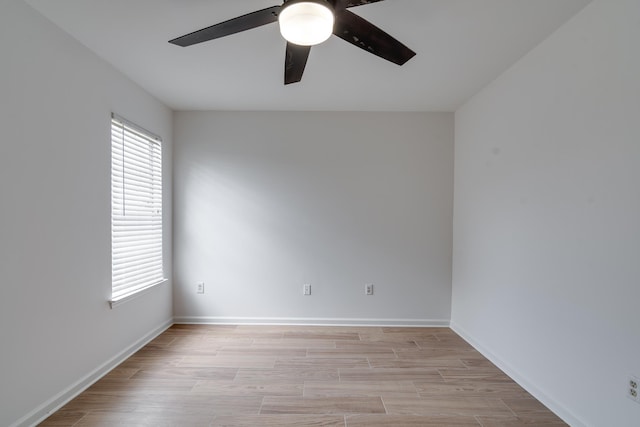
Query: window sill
<point>114,302</point>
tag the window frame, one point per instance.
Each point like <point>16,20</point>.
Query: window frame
<point>136,211</point>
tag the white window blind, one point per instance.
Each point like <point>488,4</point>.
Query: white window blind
<point>136,209</point>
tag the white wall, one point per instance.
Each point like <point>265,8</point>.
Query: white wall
<point>55,324</point>
<point>265,202</point>
<point>547,217</point>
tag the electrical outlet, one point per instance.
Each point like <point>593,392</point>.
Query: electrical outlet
<point>368,289</point>
<point>200,288</point>
<point>633,389</point>
<point>306,290</point>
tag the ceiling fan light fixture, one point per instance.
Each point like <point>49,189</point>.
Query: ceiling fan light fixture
<point>306,23</point>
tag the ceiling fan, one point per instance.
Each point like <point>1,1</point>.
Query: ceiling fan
<point>304,23</point>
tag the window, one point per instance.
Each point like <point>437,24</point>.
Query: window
<point>136,210</point>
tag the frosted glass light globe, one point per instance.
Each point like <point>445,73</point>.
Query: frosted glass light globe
<point>306,23</point>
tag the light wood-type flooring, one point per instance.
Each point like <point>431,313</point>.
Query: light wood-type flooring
<point>205,375</point>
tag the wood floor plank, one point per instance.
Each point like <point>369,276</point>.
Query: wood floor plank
<point>413,363</point>
<point>377,344</point>
<point>143,405</point>
<point>319,335</point>
<point>253,388</point>
<point>216,405</point>
<point>88,402</point>
<point>436,343</point>
<point>352,352</point>
<point>163,339</point>
<point>333,329</point>
<point>529,407</point>
<point>288,374</point>
<point>322,405</point>
<point>413,332</point>
<point>147,362</point>
<point>389,374</point>
<point>226,362</point>
<point>479,388</point>
<point>451,338</point>
<point>293,343</point>
<point>171,373</point>
<point>121,373</point>
<point>410,421</point>
<point>255,332</point>
<point>287,420</point>
<point>201,328</point>
<point>127,387</point>
<point>280,351</point>
<point>64,418</point>
<point>519,422</point>
<point>321,362</point>
<point>438,354</point>
<point>490,375</point>
<point>478,362</point>
<point>379,336</point>
<point>220,340</point>
<point>185,341</point>
<point>143,419</point>
<point>458,406</point>
<point>360,389</point>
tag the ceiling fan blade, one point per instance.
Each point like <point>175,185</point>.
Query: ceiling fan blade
<point>294,62</point>
<point>362,33</point>
<point>232,26</point>
<point>354,3</point>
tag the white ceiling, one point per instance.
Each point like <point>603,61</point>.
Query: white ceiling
<point>461,46</point>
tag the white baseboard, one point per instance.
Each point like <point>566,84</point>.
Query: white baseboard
<point>207,320</point>
<point>59,400</point>
<point>566,415</point>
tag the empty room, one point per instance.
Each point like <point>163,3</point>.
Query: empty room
<point>320,213</point>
